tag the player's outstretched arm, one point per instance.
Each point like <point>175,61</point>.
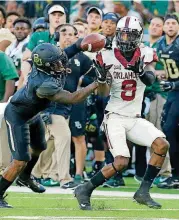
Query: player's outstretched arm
<point>66,97</point>
<point>104,89</point>
<point>103,78</point>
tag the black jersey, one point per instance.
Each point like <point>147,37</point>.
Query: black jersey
<point>169,56</point>
<point>26,102</point>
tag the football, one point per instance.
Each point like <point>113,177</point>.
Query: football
<point>93,42</point>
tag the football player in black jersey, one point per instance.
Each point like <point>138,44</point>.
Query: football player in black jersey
<point>45,83</point>
<point>168,51</point>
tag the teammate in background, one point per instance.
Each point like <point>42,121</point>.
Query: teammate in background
<point>22,30</point>
<point>55,15</point>
<point>168,50</point>
<point>130,66</point>
<point>45,84</point>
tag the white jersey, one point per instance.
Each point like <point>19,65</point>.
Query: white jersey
<point>126,94</point>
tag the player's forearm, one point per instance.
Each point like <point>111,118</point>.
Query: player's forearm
<point>75,97</point>
<point>103,89</point>
<point>72,50</point>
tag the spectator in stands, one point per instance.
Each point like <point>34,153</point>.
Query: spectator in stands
<point>11,6</point>
<point>84,22</point>
<point>155,7</point>
<point>109,24</point>
<point>22,29</point>
<point>80,28</point>
<point>173,7</point>
<point>2,17</point>
<point>21,10</point>
<point>10,18</point>
<point>123,8</point>
<point>94,19</point>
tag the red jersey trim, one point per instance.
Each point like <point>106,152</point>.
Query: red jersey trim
<point>123,60</point>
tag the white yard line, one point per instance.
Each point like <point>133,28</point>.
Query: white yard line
<point>97,209</point>
<point>77,217</point>
<point>55,198</point>
<point>58,190</point>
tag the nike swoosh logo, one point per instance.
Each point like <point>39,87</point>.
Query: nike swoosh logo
<point>83,205</point>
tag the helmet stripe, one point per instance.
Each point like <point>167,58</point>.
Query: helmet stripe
<point>127,22</point>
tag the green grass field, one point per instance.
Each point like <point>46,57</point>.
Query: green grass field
<point>58,206</point>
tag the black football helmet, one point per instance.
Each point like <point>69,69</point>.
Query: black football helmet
<point>39,23</point>
<point>50,59</point>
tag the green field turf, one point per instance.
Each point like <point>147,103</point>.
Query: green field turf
<point>46,206</point>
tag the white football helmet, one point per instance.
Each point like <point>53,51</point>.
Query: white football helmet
<point>129,33</point>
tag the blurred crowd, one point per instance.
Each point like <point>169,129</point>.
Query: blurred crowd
<point>77,148</point>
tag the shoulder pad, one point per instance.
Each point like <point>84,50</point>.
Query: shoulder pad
<point>48,88</point>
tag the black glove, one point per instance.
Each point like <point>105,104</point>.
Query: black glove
<point>138,67</point>
<point>167,86</point>
<point>101,71</point>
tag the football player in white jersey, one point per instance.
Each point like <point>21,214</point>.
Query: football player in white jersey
<point>130,65</point>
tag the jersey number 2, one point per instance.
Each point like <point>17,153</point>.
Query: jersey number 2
<point>129,89</point>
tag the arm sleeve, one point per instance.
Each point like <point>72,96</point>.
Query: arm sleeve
<point>7,68</point>
<point>148,78</point>
<point>71,50</point>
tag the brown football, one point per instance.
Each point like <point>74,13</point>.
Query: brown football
<point>93,42</point>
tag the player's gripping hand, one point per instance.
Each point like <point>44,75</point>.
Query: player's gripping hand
<point>101,71</point>
<point>138,67</point>
<point>167,86</point>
